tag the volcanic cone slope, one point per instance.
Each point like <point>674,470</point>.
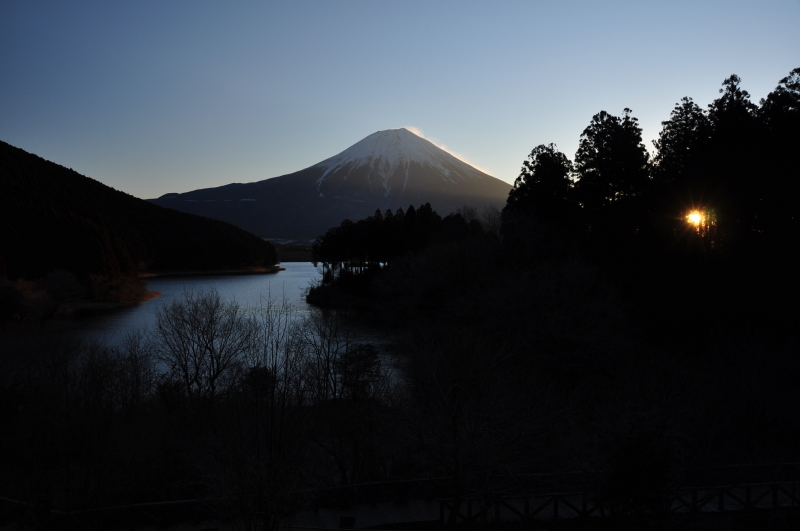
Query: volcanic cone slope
<point>387,170</point>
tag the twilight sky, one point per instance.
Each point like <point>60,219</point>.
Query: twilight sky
<point>157,97</point>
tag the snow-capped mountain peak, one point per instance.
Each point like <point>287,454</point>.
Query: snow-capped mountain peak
<point>392,153</point>
<point>386,170</point>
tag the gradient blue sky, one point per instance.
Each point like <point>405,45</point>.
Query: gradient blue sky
<point>171,96</point>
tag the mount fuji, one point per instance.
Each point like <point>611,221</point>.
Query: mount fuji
<point>386,170</point>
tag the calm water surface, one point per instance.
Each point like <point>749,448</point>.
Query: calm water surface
<point>250,291</point>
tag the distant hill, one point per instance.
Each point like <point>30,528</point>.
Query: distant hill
<point>53,218</point>
<point>386,170</point>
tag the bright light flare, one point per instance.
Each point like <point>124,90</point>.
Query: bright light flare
<point>695,217</point>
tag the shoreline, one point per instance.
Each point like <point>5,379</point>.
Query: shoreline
<point>72,307</point>
<point>214,272</point>
<point>76,307</point>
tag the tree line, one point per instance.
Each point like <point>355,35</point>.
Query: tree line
<point>731,166</point>
<point>720,188</point>
<point>629,310</point>
<point>363,247</point>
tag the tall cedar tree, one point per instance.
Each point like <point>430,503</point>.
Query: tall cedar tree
<point>611,161</point>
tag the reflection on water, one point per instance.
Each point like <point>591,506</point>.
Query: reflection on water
<point>250,291</point>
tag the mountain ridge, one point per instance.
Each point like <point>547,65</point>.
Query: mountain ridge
<point>54,218</point>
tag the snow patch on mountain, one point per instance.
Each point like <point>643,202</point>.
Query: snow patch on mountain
<point>386,151</point>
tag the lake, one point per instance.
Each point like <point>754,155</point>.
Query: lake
<point>250,291</point>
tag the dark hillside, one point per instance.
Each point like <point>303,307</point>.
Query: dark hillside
<point>54,218</point>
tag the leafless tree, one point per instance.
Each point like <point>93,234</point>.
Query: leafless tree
<point>256,456</point>
<point>491,220</point>
<point>324,340</point>
<point>135,372</point>
<point>203,340</point>
<point>469,213</point>
<point>348,392</point>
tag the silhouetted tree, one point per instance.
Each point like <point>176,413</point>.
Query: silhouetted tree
<point>681,145</point>
<point>544,184</point>
<point>736,187</point>
<point>611,161</point>
<point>542,192</point>
<point>368,244</point>
<point>203,340</point>
<point>491,221</point>
<point>681,168</point>
<point>780,117</point>
<point>259,440</point>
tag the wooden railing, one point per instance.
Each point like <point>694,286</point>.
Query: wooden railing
<point>726,498</point>
<point>483,508</point>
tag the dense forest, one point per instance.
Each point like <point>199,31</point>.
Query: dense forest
<point>640,306</point>
<point>620,328</point>
<point>56,220</point>
<point>709,221</point>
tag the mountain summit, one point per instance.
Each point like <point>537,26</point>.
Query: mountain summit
<point>393,161</point>
<point>387,170</point>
